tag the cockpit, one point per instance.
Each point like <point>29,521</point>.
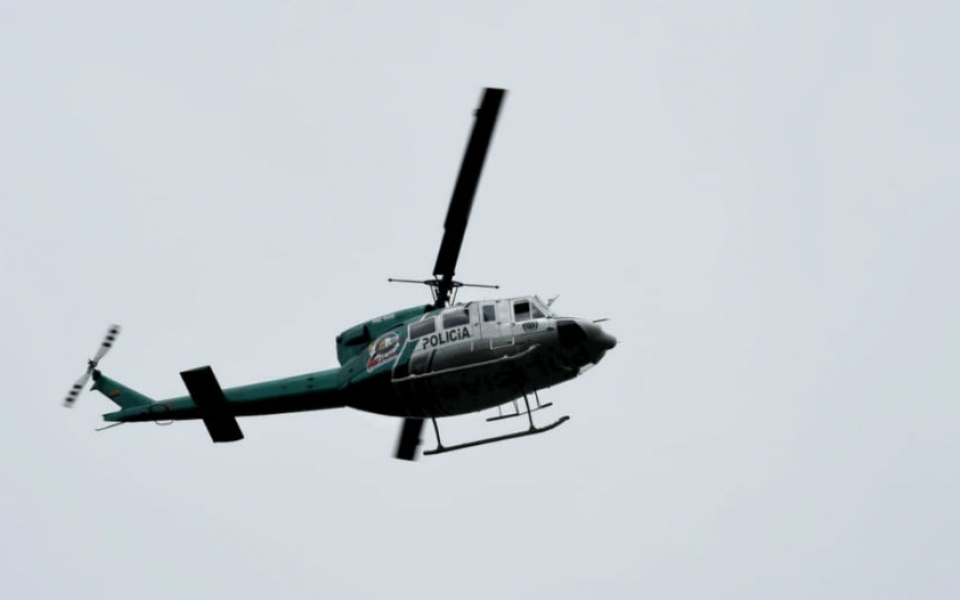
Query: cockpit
<point>525,309</point>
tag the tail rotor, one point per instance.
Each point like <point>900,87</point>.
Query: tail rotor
<point>105,346</point>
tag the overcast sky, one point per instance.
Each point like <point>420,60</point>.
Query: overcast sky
<point>762,196</point>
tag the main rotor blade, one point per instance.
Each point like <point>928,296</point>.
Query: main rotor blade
<point>464,190</point>
<point>409,439</point>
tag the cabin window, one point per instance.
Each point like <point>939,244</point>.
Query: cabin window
<point>489,313</point>
<point>521,311</point>
<point>536,312</point>
<point>455,318</point>
<point>422,328</point>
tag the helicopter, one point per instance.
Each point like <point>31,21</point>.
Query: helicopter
<point>425,362</point>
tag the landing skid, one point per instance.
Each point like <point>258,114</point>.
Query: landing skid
<point>441,449</point>
<point>533,430</point>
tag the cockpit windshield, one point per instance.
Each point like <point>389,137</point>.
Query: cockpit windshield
<point>544,307</point>
<point>540,310</point>
<point>529,308</point>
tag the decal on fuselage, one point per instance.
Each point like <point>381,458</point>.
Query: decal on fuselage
<point>444,337</point>
<point>385,348</point>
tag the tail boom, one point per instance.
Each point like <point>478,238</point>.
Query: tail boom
<point>313,391</point>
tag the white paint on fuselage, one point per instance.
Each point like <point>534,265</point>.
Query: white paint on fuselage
<point>469,367</point>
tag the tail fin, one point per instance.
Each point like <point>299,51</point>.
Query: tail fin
<point>120,394</point>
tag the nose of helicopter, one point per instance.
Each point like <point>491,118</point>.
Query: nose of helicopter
<point>588,335</point>
<point>606,340</point>
<point>597,337</point>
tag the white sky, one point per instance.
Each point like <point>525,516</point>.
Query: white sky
<point>762,196</point>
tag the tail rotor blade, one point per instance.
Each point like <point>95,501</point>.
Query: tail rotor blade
<point>76,389</point>
<point>409,439</point>
<point>107,343</point>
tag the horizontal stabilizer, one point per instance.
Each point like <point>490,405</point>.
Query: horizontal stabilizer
<point>223,428</point>
<point>208,396</point>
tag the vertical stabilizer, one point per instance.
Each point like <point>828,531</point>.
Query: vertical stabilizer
<point>118,393</point>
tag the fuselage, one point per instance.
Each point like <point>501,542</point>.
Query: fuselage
<point>422,362</point>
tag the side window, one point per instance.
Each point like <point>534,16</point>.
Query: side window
<point>489,313</point>
<point>537,313</point>
<point>455,317</point>
<point>521,311</point>
<point>422,328</point>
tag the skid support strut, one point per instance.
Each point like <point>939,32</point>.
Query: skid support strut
<point>436,430</point>
<point>516,409</point>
